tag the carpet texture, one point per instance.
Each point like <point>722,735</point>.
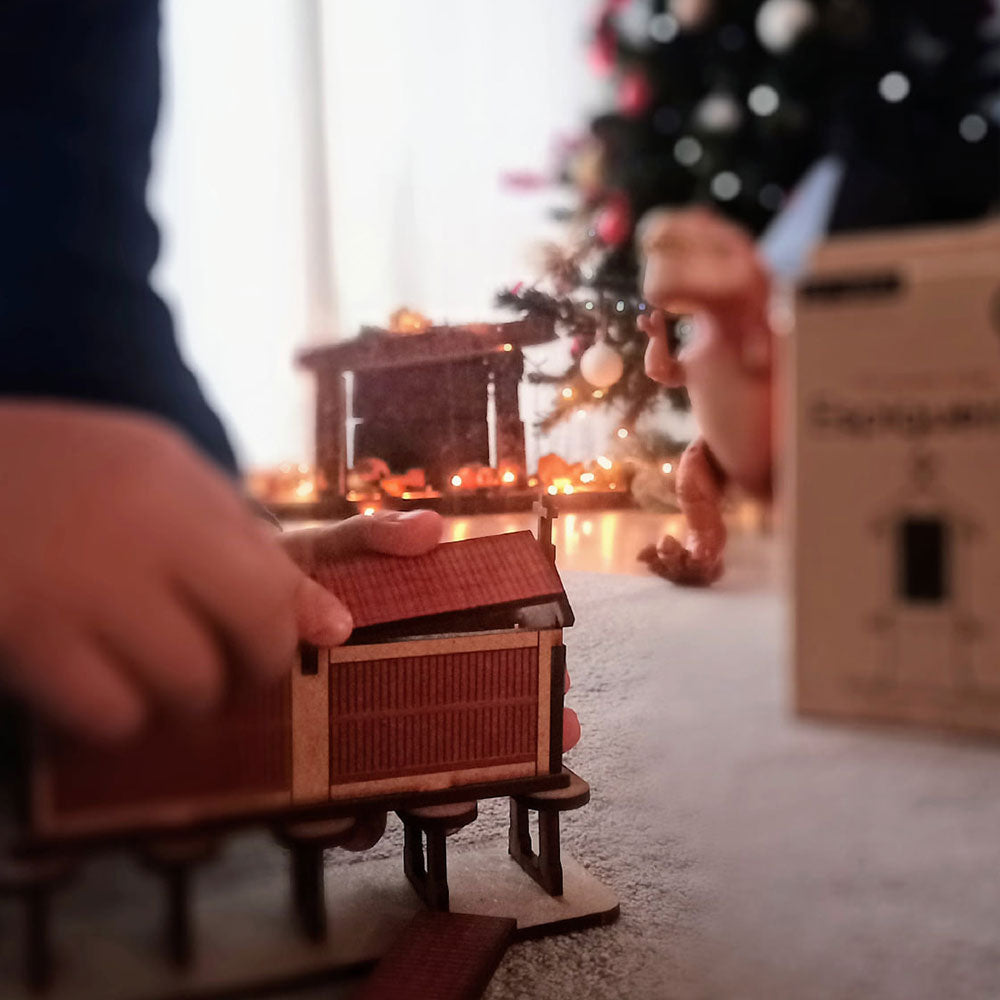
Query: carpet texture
<point>757,856</point>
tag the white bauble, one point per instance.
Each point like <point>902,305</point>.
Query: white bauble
<point>780,23</point>
<point>601,365</point>
<point>690,14</point>
<point>718,112</point>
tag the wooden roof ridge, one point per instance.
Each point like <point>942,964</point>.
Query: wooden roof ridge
<point>475,573</point>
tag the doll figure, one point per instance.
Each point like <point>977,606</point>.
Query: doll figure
<point>698,264</point>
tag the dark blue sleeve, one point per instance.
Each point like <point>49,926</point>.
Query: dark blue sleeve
<point>79,96</point>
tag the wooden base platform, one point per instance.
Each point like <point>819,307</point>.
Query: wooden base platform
<point>249,941</point>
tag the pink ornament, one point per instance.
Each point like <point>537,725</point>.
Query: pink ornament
<point>603,48</point>
<point>634,94</point>
<point>614,223</point>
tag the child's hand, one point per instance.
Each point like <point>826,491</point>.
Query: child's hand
<point>133,577</point>
<point>320,617</point>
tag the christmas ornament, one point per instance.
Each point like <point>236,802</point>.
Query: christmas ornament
<point>718,112</point>
<point>614,222</point>
<point>601,365</point>
<point>780,23</point>
<point>634,94</point>
<point>604,47</point>
<point>690,14</point>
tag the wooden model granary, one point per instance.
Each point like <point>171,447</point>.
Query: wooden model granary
<point>450,690</point>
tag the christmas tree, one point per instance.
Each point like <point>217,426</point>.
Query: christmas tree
<point>729,103</point>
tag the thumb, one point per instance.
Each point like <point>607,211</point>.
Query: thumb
<point>320,618</point>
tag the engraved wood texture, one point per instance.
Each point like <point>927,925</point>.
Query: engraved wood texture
<point>455,576</point>
<point>175,771</point>
<point>449,711</point>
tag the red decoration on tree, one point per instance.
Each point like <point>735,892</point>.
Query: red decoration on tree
<point>614,222</point>
<point>634,94</point>
<point>604,47</point>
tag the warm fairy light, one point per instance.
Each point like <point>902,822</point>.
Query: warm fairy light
<point>623,432</point>
<point>305,489</point>
<point>612,486</point>
<point>303,468</point>
<point>369,512</point>
<point>667,467</point>
<point>508,477</point>
<point>587,528</point>
<point>620,306</point>
<point>533,481</point>
<point>604,463</point>
<point>552,490</point>
<point>456,480</point>
<point>407,495</point>
<point>508,347</point>
<point>587,477</point>
<point>598,394</point>
<point>568,489</point>
<point>567,393</point>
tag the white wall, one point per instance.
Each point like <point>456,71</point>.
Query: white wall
<point>228,193</point>
<point>427,103</point>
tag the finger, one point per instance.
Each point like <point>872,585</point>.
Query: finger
<point>391,532</point>
<point>571,729</point>
<point>245,589</point>
<point>320,618</point>
<point>74,684</point>
<point>169,650</point>
<point>567,684</point>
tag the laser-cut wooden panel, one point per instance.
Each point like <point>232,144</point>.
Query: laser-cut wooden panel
<point>423,714</point>
<point>245,751</point>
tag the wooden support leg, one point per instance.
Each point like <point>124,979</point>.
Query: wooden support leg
<point>427,871</point>
<point>545,867</point>
<point>308,843</point>
<point>34,880</point>
<point>174,859</point>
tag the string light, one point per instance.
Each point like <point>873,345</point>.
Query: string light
<point>663,28</point>
<point>622,432</point>
<point>587,477</point>
<point>973,128</point>
<point>588,305</point>
<point>369,512</point>
<point>456,480</point>
<point>568,489</point>
<point>604,462</point>
<point>763,100</point>
<point>552,491</point>
<point>894,87</point>
<point>567,392</point>
<point>620,306</point>
<point>667,468</point>
<point>508,477</point>
<point>508,347</point>
<point>598,394</point>
<point>687,151</point>
<point>726,185</point>
<point>581,413</point>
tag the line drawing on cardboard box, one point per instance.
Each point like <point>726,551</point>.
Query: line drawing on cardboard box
<point>927,632</point>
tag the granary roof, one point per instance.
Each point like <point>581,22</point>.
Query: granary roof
<point>475,574</point>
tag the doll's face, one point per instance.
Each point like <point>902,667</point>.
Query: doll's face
<point>695,259</point>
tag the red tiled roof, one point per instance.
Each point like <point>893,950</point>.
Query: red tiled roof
<point>456,576</point>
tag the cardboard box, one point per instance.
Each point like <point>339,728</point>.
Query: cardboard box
<point>895,479</point>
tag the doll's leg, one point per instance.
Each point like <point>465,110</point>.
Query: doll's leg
<point>699,493</point>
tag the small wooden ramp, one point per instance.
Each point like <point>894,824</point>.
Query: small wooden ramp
<point>441,956</point>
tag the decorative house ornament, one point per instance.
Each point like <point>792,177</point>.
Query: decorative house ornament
<point>894,488</point>
<point>450,690</point>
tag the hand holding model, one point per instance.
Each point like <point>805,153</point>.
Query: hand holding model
<point>134,579</point>
<point>698,264</point>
